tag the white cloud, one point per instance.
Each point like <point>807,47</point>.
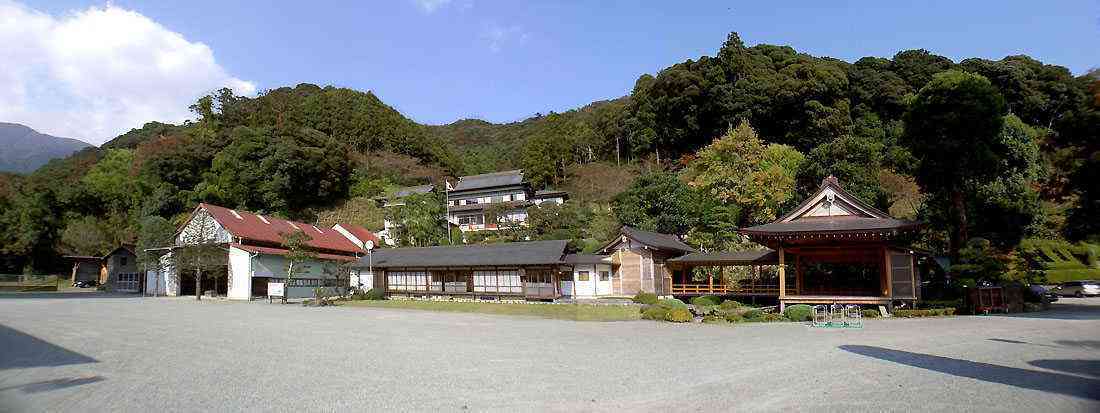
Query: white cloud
<point>96,73</point>
<point>430,6</point>
<point>497,36</point>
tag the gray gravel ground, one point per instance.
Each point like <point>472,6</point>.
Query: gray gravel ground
<point>92,352</point>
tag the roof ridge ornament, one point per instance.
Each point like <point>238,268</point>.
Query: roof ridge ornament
<point>830,180</point>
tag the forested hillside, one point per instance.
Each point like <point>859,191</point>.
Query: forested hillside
<point>1002,150</point>
<point>25,149</point>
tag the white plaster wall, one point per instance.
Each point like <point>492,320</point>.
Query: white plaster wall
<point>240,274</point>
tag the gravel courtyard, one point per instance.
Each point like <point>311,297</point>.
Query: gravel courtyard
<point>90,352</point>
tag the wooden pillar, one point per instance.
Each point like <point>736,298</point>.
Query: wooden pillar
<point>887,277</point>
<point>798,274</point>
<point>782,279</point>
<point>710,282</point>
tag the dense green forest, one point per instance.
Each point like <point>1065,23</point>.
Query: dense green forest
<point>1000,152</point>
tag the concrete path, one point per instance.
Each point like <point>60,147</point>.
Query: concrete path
<point>91,352</point>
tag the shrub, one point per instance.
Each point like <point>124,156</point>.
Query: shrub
<point>714,319</point>
<point>752,315</point>
<point>654,313</point>
<point>706,300</point>
<point>679,315</point>
<point>671,303</point>
<point>645,298</point>
<point>730,304</point>
<point>706,310</point>
<point>935,312</point>
<point>772,317</point>
<point>799,312</point>
<point>375,294</point>
<point>869,313</point>
<point>734,317</point>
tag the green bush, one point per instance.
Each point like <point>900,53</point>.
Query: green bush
<point>869,313</point>
<point>714,319</point>
<point>679,315</point>
<point>734,317</point>
<point>706,300</point>
<point>933,312</point>
<point>645,298</point>
<point>730,304</point>
<point>752,314</point>
<point>654,313</point>
<point>706,310</point>
<point>373,294</point>
<point>671,303</point>
<point>799,312</point>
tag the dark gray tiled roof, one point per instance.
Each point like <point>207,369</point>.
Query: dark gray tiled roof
<point>657,240</point>
<point>502,254</point>
<point>586,259</point>
<point>549,193</point>
<point>409,190</point>
<point>837,224</point>
<point>760,257</point>
<point>489,180</point>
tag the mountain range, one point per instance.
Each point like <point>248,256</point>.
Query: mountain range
<point>26,149</point>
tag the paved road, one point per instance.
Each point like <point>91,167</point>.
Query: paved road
<point>98,353</point>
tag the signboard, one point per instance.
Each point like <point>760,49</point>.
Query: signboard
<point>274,289</point>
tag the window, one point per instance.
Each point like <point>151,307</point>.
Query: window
<point>471,219</point>
<point>471,201</point>
<point>498,198</point>
<point>582,275</point>
<point>605,276</point>
<point>406,280</point>
<point>501,281</point>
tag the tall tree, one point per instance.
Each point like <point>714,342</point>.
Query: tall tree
<point>200,248</point>
<point>954,127</point>
<point>657,201</point>
<point>740,169</point>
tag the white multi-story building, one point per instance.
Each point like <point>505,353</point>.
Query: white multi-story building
<point>480,202</point>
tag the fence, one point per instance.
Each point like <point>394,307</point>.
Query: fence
<point>20,282</point>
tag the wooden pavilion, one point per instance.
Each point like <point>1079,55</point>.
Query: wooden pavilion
<point>841,249</point>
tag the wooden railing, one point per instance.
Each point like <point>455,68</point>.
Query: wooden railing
<point>722,289</point>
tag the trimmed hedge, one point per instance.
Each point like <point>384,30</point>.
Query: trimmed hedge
<point>671,303</point>
<point>752,314</point>
<point>868,313</point>
<point>679,315</point>
<point>734,317</point>
<point>706,300</point>
<point>730,305</point>
<point>645,298</point>
<point>933,312</point>
<point>654,313</point>
<point>799,312</point>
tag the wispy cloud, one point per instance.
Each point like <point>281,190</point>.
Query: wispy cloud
<point>498,36</point>
<point>430,6</point>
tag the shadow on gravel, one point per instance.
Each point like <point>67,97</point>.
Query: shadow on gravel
<point>1080,367</point>
<point>55,384</point>
<point>65,295</point>
<point>1027,379</point>
<point>1088,344</point>
<point>1076,310</point>
<point>21,350</point>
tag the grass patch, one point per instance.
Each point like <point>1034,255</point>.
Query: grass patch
<point>576,312</point>
<point>1060,276</point>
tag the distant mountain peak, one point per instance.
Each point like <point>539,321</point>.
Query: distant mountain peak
<point>26,149</point>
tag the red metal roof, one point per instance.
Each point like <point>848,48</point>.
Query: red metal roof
<point>362,233</point>
<point>280,251</point>
<point>252,227</point>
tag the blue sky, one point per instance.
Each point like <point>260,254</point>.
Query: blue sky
<point>437,61</point>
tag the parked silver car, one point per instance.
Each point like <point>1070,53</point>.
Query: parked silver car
<point>1077,288</point>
